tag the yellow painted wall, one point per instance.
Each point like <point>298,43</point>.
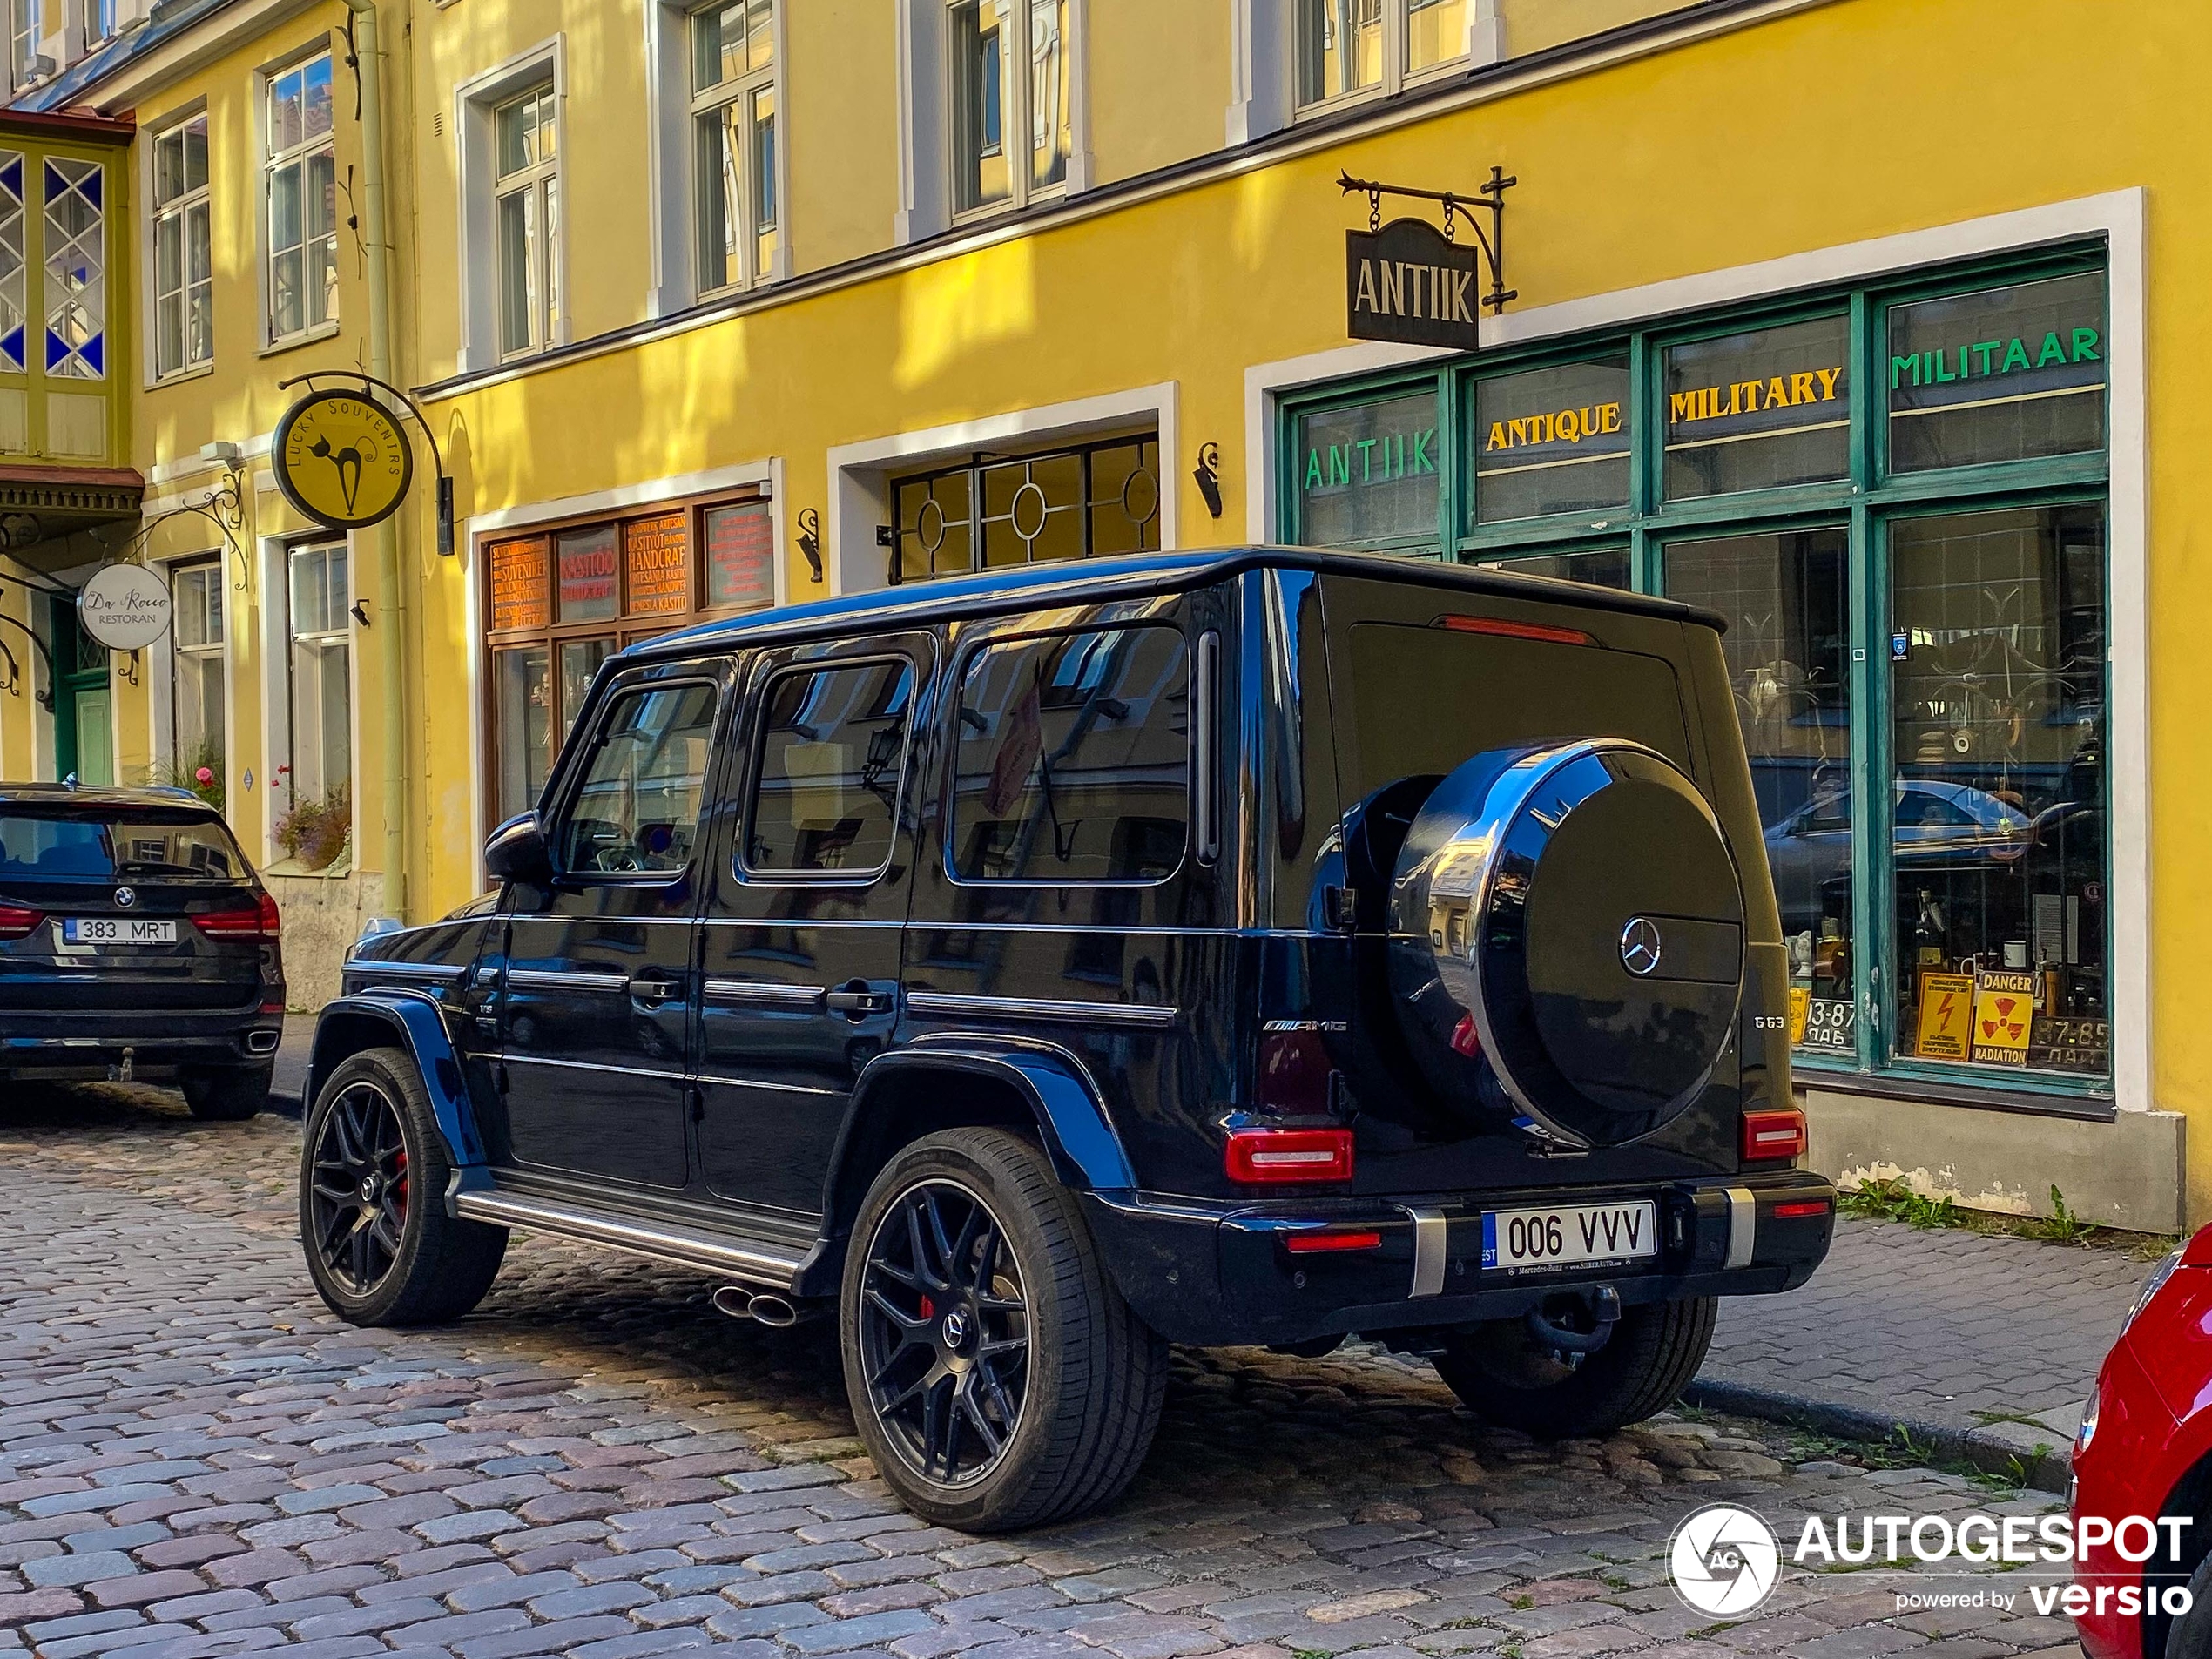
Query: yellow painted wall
<point>1160,84</point>
<point>1533,25</point>
<point>841,122</point>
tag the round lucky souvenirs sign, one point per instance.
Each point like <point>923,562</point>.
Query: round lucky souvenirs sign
<point>124,607</point>
<point>342,458</point>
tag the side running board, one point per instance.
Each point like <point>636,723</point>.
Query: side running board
<point>754,1263</point>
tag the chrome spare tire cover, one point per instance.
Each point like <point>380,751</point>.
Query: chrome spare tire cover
<point>1566,939</point>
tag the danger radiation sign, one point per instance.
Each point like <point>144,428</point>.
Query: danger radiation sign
<point>2004,1010</point>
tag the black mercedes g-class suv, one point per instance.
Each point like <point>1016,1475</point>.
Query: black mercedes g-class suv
<point>1037,968</point>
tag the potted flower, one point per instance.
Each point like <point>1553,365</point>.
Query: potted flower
<point>316,829</point>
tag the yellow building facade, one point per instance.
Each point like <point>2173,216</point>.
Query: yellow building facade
<point>1865,322</point>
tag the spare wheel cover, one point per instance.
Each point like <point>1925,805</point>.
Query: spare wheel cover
<point>1578,908</point>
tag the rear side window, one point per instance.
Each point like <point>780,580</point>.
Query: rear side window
<point>1072,764</point>
<point>636,812</point>
<point>1423,699</point>
<point>832,750</point>
<point>78,849</point>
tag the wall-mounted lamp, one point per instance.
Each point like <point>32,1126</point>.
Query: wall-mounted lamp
<point>222,452</point>
<point>1208,477</point>
<point>358,610</point>
<point>810,539</point>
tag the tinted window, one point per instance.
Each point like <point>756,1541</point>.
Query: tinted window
<point>832,750</point>
<point>636,812</point>
<point>1073,761</point>
<point>65,849</point>
<point>1425,699</point>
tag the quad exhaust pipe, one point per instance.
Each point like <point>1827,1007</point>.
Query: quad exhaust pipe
<point>762,1307</point>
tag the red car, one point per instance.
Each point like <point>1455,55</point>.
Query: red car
<point>2145,1450</point>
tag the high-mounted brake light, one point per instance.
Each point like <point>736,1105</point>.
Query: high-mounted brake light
<point>1264,1156</point>
<point>1322,1244</point>
<point>1773,1135</point>
<point>260,922</point>
<point>1505,629</point>
<point>15,921</point>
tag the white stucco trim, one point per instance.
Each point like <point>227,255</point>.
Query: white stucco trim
<point>476,285</point>
<point>2119,217</point>
<point>859,473</point>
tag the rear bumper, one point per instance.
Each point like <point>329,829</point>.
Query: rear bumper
<point>85,1046</point>
<point>1212,1272</point>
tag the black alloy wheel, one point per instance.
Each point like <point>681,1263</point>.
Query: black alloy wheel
<point>945,1333</point>
<point>358,1189</point>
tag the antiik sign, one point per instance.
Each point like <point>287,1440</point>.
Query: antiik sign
<point>1406,283</point>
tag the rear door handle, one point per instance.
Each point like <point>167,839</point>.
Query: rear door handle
<point>655,987</point>
<point>860,1002</point>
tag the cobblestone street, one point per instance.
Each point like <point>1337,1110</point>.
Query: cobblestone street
<point>196,1458</point>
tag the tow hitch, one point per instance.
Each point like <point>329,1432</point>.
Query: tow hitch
<point>1597,1307</point>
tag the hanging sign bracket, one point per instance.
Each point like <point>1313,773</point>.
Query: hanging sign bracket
<point>1489,199</point>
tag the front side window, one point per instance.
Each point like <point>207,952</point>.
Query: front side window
<point>733,116</point>
<point>1013,116</point>
<point>636,811</point>
<point>302,184</point>
<point>196,604</point>
<point>183,267</point>
<point>1073,764</point>
<point>1348,47</point>
<point>322,688</point>
<point>527,209</point>
<point>833,752</point>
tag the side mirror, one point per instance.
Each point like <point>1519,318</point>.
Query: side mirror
<point>516,851</point>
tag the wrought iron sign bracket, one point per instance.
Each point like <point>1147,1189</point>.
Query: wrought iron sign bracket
<point>1489,199</point>
<point>437,455</point>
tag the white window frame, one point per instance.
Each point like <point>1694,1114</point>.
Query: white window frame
<point>99,22</point>
<point>285,794</point>
<point>1016,117</point>
<point>703,103</point>
<point>180,208</point>
<point>26,30</point>
<point>538,183</point>
<point>271,161</point>
<point>476,155</point>
<point>926,114</point>
<point>1263,36</point>
<point>167,735</point>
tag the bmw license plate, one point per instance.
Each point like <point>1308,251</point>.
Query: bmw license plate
<point>1579,1235</point>
<point>117,930</point>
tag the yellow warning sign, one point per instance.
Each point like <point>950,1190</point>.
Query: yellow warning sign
<point>2004,1009</point>
<point>1800,1005</point>
<point>1946,1022</point>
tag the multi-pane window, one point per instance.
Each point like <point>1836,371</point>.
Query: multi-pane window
<point>1350,47</point>
<point>302,187</point>
<point>1093,500</point>
<point>196,689</point>
<point>100,21</point>
<point>526,208</point>
<point>14,268</point>
<point>733,117</point>
<point>322,684</point>
<point>76,269</point>
<point>184,334</point>
<point>26,23</point>
<point>1013,117</point>
<point>562,601</point>
<point>1914,573</point>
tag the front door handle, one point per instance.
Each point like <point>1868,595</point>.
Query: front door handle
<point>856,1001</point>
<point>654,988</point>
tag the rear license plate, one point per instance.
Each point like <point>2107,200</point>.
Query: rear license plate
<point>1579,1235</point>
<point>117,930</point>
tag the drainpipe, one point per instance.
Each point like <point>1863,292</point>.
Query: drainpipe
<point>391,606</point>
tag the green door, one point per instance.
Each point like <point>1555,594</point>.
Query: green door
<point>83,743</point>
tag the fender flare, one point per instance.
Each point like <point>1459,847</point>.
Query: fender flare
<point>414,1020</point>
<point>1071,1118</point>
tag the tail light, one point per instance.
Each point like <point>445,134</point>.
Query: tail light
<point>15,921</point>
<point>1801,1210</point>
<point>1280,1156</point>
<point>1324,1243</point>
<point>259,922</point>
<point>1768,1136</point>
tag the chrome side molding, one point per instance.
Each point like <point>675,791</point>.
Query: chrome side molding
<point>758,1265</point>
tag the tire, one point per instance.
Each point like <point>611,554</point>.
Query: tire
<point>1655,1349</point>
<point>1009,1266</point>
<point>2190,1635</point>
<point>227,1095</point>
<point>389,1254</point>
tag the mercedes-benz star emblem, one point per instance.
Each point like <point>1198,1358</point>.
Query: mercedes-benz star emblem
<point>955,1327</point>
<point>125,897</point>
<point>1640,945</point>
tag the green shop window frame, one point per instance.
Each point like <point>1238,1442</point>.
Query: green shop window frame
<point>1866,503</point>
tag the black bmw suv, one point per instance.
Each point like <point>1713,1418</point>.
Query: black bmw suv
<point>136,942</point>
<point>1031,970</point>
